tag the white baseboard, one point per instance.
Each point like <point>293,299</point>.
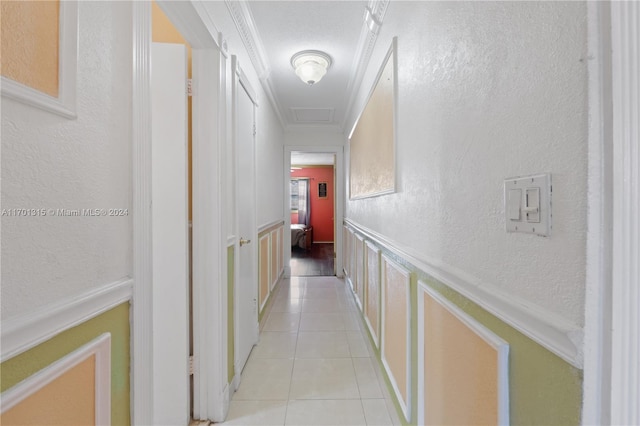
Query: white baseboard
<point>27,331</point>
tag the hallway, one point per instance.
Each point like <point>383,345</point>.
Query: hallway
<point>314,364</point>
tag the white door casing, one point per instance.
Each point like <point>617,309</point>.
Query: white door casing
<point>246,283</point>
<point>625,337</point>
<point>338,209</point>
<point>170,233</point>
<point>209,265</point>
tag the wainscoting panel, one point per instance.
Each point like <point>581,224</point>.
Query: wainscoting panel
<point>280,250</point>
<point>74,390</point>
<point>462,366</point>
<point>346,250</point>
<point>270,259</point>
<point>396,336</point>
<point>359,267</point>
<point>263,270</point>
<point>352,261</point>
<point>275,272</point>
<point>530,381</point>
<point>372,305</point>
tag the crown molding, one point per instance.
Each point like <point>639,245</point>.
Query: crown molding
<point>245,24</point>
<point>371,24</point>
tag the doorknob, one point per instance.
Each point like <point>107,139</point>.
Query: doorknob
<point>243,241</point>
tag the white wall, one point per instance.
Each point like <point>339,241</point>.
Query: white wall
<point>313,137</point>
<point>52,162</point>
<point>269,165</point>
<point>488,91</point>
<point>269,131</point>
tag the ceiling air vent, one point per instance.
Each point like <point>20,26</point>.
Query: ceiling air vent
<point>312,115</point>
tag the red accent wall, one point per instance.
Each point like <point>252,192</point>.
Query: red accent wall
<point>321,208</point>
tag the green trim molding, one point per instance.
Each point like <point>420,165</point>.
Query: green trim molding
<point>114,321</point>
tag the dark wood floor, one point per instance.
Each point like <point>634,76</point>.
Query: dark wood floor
<point>315,262</point>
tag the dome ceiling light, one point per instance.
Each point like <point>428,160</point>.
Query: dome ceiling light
<point>311,65</point>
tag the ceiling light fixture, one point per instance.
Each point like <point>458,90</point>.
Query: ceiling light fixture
<point>311,65</point>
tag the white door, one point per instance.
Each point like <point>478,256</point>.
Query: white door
<point>247,284</point>
<point>169,234</point>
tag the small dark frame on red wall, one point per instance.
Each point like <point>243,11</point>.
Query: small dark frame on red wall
<point>322,190</point>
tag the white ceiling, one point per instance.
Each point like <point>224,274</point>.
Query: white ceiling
<point>287,27</point>
<point>273,31</point>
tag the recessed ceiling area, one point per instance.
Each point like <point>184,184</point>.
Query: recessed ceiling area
<point>312,159</point>
<point>287,27</point>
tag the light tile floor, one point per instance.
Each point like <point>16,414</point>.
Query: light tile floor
<point>314,364</point>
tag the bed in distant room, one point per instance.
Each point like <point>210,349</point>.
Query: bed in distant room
<point>301,236</point>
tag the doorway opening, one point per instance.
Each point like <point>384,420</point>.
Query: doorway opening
<point>312,185</point>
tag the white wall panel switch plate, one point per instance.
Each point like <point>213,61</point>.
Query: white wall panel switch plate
<point>527,204</point>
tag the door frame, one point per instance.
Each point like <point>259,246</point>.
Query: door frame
<point>209,266</point>
<point>625,322</point>
<point>239,81</point>
<point>339,187</point>
<point>612,304</point>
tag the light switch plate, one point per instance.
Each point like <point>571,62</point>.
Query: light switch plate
<point>534,219</point>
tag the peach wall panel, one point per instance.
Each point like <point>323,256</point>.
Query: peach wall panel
<point>280,249</point>
<point>395,352</point>
<point>263,279</point>
<point>274,257</point>
<point>360,271</point>
<point>352,260</point>
<point>345,251</point>
<point>462,366</point>
<point>372,305</point>
<point>74,390</point>
<point>30,43</point>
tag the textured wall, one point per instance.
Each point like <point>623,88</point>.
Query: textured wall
<point>488,91</point>
<point>50,162</point>
<point>269,135</point>
<point>313,138</point>
<point>269,164</point>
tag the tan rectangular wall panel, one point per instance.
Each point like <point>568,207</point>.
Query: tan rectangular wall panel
<point>395,352</point>
<point>74,390</point>
<point>345,251</point>
<point>263,278</point>
<point>360,271</point>
<point>352,260</point>
<point>463,367</point>
<point>30,43</point>
<point>280,249</point>
<point>70,400</point>
<point>274,258</point>
<point>372,305</point>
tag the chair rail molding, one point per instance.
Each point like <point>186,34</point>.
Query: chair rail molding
<point>549,330</point>
<point>22,333</point>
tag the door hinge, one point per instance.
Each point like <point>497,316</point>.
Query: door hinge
<point>191,365</point>
<point>189,87</point>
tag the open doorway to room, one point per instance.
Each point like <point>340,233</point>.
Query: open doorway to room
<point>312,194</point>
